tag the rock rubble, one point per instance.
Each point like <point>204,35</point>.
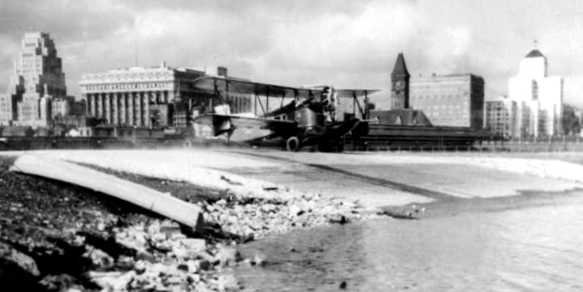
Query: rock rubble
<point>165,260</point>
<point>62,238</point>
<point>173,262</point>
<point>256,217</point>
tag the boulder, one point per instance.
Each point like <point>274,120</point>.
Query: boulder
<point>227,255</point>
<point>188,248</point>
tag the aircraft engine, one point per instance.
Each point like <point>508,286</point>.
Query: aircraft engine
<point>310,119</point>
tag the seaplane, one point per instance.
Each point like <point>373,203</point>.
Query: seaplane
<point>305,116</point>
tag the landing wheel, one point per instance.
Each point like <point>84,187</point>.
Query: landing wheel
<point>292,144</point>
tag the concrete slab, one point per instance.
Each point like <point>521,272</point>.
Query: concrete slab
<point>334,185</point>
<point>457,176</point>
<point>377,179</point>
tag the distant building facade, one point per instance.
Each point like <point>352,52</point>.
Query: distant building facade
<point>61,107</point>
<point>449,100</point>
<point>500,116</point>
<point>156,97</point>
<point>539,98</point>
<point>400,84</point>
<point>38,79</point>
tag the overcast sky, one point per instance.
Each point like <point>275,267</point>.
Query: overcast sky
<point>345,43</point>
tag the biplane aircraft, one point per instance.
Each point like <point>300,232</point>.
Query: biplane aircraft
<point>303,117</point>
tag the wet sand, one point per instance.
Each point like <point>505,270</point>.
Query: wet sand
<point>523,243</point>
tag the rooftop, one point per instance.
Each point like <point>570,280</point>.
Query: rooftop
<point>534,53</point>
<point>400,66</point>
<point>447,76</point>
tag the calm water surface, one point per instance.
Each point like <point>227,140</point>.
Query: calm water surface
<point>532,249</point>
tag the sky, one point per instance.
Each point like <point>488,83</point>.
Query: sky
<point>346,43</point>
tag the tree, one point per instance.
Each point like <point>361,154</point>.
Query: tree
<point>570,122</point>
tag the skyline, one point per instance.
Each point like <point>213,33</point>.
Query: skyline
<point>343,43</point>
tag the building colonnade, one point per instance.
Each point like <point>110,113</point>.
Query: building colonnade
<point>126,108</point>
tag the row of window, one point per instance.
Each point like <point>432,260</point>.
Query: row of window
<point>139,76</point>
<point>122,86</point>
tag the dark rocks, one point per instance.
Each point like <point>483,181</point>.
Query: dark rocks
<point>99,258</point>
<point>61,282</point>
<point>338,219</point>
<point>20,259</point>
<point>257,260</point>
<point>58,237</point>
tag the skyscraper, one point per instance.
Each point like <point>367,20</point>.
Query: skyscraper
<point>37,80</point>
<point>539,98</point>
<point>400,84</point>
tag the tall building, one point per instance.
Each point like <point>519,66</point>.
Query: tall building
<point>400,84</point>
<point>539,98</point>
<point>154,97</point>
<point>37,80</point>
<point>449,100</point>
<point>500,116</point>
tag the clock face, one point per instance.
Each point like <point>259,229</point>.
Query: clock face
<point>400,84</point>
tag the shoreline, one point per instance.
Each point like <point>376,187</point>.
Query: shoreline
<point>117,246</point>
<point>457,206</point>
<point>124,248</point>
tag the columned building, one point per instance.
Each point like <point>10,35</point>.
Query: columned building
<point>138,97</point>
<point>455,100</point>
<point>539,98</point>
<point>37,81</point>
<point>155,97</point>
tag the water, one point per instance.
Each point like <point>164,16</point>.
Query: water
<point>530,249</point>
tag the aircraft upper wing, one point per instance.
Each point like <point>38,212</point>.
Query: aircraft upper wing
<point>230,84</point>
<point>242,86</point>
<point>351,93</point>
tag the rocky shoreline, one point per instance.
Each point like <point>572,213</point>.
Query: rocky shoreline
<point>58,237</point>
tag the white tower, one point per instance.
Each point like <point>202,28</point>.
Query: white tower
<point>534,65</point>
<point>539,97</point>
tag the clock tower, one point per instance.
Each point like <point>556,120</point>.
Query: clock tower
<point>400,84</point>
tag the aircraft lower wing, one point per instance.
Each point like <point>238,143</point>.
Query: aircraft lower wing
<point>246,129</point>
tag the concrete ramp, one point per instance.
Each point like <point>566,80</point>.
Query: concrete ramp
<point>149,199</point>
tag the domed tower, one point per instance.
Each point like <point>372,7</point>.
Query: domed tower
<point>534,65</point>
<point>400,84</point>
<point>538,97</point>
